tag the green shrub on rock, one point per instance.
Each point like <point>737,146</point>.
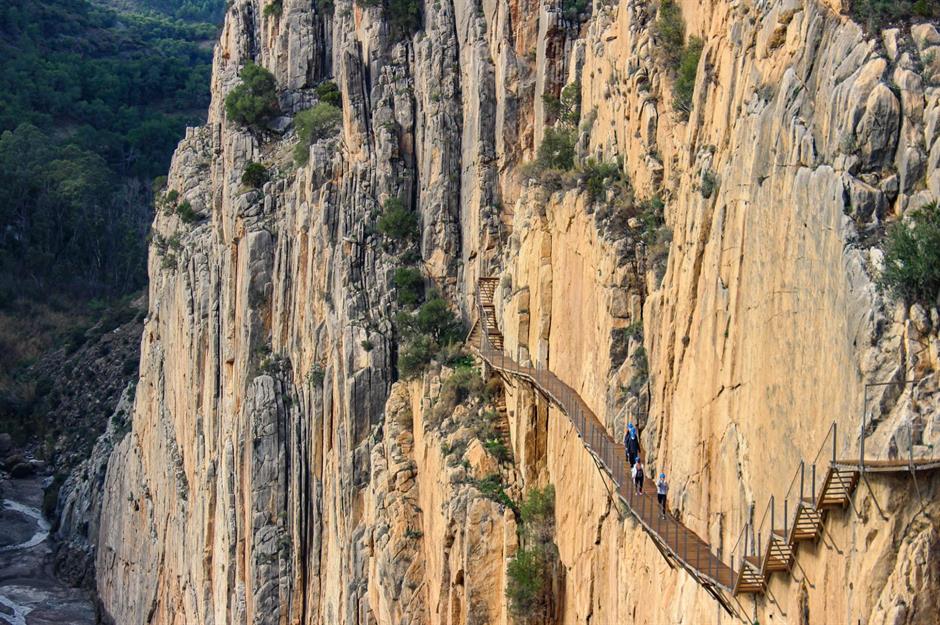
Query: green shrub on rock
<point>410,285</point>
<point>329,93</point>
<point>254,101</point>
<point>318,122</point>
<point>530,572</point>
<point>426,334</point>
<point>684,86</point>
<point>397,222</point>
<point>912,257</point>
<point>669,30</point>
<point>255,175</point>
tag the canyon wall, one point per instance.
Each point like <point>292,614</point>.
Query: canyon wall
<point>278,471</point>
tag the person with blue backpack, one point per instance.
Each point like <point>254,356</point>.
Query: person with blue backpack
<point>631,444</point>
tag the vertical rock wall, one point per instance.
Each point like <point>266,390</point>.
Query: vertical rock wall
<point>276,473</point>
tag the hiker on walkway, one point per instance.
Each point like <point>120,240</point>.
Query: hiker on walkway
<point>631,444</point>
<point>662,487</point>
<point>638,477</point>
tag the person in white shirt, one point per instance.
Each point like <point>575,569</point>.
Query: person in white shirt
<point>662,487</point>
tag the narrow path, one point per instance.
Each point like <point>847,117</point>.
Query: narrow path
<point>680,545</point>
<point>762,549</point>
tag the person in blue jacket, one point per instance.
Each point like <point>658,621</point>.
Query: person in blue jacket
<point>631,444</point>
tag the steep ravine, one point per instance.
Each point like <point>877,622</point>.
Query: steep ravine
<point>278,471</point>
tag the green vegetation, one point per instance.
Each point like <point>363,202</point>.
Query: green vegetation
<point>531,571</point>
<point>255,175</point>
<point>274,8</point>
<point>93,100</point>
<point>669,29</point>
<point>397,222</point>
<point>492,488</point>
<point>328,92</point>
<point>426,334</point>
<point>880,14</point>
<point>574,9</point>
<point>192,10</point>
<point>709,184</point>
<point>912,257</point>
<point>556,150</point>
<point>684,86</point>
<point>402,16</point>
<point>598,177</point>
<point>679,57</point>
<point>567,108</point>
<point>410,285</point>
<point>463,383</point>
<point>253,102</point>
<point>318,122</point>
<point>90,102</point>
<point>185,212</point>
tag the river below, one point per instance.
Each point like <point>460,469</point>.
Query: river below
<point>30,594</point>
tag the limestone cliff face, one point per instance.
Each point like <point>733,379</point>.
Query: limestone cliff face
<point>277,473</point>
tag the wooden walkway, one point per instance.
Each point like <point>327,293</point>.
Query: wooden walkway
<point>680,545</point>
<point>763,548</point>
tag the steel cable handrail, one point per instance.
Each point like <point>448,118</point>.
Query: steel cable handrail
<point>670,535</point>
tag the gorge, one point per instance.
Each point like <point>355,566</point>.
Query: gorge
<point>680,209</point>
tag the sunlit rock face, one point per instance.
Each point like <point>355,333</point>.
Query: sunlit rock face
<point>278,472</point>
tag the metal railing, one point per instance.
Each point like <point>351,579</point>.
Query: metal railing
<point>807,486</point>
<point>670,536</point>
<point>824,459</point>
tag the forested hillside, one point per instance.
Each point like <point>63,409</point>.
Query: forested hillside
<point>93,99</point>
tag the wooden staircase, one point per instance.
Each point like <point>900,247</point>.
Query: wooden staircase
<point>487,292</point>
<point>804,522</point>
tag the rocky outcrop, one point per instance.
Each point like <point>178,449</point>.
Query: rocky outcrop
<point>277,472</point>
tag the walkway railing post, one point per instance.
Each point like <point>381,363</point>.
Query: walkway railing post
<point>834,426</point>
<point>802,475</point>
<point>771,537</point>
<point>814,484</point>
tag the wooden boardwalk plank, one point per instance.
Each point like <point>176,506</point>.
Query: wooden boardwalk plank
<point>673,539</point>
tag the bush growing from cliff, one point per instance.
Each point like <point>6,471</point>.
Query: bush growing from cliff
<point>329,93</point>
<point>530,573</point>
<point>912,257</point>
<point>567,108</point>
<point>185,212</point>
<point>573,9</point>
<point>462,384</point>
<point>878,14</point>
<point>598,176</point>
<point>684,86</point>
<point>410,286</point>
<point>321,121</point>
<point>669,29</point>
<point>426,335</point>
<point>255,175</point>
<point>403,16</point>
<point>556,150</point>
<point>397,222</point>
<point>273,8</point>
<point>254,101</point>
<point>679,57</point>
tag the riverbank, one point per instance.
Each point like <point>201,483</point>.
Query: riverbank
<point>30,594</point>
